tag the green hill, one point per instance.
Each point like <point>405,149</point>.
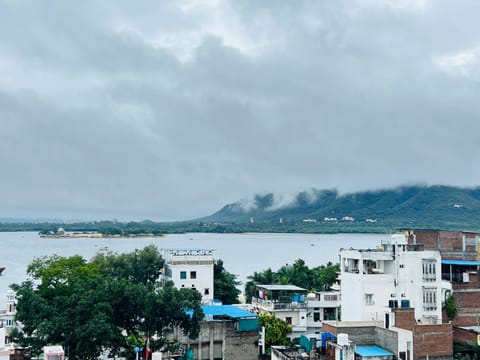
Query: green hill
<point>440,207</point>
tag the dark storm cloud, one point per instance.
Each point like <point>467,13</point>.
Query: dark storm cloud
<point>168,110</point>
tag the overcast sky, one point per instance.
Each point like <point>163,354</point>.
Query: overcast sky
<point>169,110</point>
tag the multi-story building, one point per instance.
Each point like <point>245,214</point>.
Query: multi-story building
<point>395,274</point>
<point>304,312</point>
<point>460,252</point>
<point>191,268</point>
<point>226,332</point>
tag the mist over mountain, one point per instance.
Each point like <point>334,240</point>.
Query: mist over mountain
<point>437,206</point>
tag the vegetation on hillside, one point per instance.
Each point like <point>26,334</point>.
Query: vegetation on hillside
<point>315,211</point>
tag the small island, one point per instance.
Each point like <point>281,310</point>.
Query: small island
<point>61,233</point>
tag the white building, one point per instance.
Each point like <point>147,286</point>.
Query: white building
<point>290,303</point>
<point>191,268</point>
<point>394,274</point>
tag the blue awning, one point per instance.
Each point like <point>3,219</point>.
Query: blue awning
<point>461,262</point>
<point>371,351</point>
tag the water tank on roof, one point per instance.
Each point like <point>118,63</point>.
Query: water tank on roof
<point>405,303</point>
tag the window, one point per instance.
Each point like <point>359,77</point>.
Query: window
<point>430,298</point>
<point>330,297</point>
<point>316,316</point>
<point>183,275</point>
<point>369,299</point>
<point>206,292</point>
<point>288,320</point>
<point>330,314</point>
<point>429,269</point>
<point>193,274</point>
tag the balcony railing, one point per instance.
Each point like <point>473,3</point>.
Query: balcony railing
<point>275,305</point>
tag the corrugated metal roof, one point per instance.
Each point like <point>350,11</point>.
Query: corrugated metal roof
<point>461,262</point>
<point>282,287</point>
<point>371,351</point>
<point>227,310</point>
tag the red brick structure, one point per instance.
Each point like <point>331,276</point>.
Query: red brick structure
<point>470,336</point>
<point>454,245</point>
<point>429,341</point>
<point>460,252</point>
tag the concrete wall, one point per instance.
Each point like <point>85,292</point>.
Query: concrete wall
<point>387,339</point>
<point>220,340</point>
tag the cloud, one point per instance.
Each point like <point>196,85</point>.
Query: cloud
<point>169,110</point>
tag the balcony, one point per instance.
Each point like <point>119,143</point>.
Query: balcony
<point>272,305</point>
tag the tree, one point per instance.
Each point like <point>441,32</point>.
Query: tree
<point>319,278</point>
<point>276,330</point>
<point>265,277</point>
<point>324,276</point>
<point>297,274</point>
<point>450,307</point>
<point>225,284</point>
<point>90,306</point>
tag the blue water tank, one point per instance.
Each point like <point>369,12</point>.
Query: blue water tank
<point>405,303</point>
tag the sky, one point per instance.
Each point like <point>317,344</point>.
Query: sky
<point>168,110</point>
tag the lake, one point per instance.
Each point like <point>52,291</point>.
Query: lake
<point>242,254</point>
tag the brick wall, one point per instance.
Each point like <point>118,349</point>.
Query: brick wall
<point>449,243</point>
<point>433,341</point>
<point>466,336</point>
<point>468,307</point>
<point>405,318</point>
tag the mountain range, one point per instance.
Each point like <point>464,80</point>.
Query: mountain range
<point>419,206</point>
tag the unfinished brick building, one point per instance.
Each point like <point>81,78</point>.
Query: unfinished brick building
<point>460,253</point>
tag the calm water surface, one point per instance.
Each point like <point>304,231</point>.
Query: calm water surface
<point>242,254</point>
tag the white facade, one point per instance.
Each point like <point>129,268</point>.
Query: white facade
<point>393,275</point>
<point>305,314</point>
<point>322,306</point>
<point>191,268</point>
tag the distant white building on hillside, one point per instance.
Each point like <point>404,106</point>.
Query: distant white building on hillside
<point>395,274</point>
<point>191,268</point>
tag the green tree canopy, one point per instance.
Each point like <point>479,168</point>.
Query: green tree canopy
<point>225,284</point>
<point>102,304</point>
<point>276,330</point>
<point>313,279</point>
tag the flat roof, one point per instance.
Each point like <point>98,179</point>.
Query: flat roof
<point>227,310</point>
<point>282,287</point>
<point>371,351</point>
<point>461,262</point>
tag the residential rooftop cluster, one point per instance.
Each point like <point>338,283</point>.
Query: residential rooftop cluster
<point>389,303</point>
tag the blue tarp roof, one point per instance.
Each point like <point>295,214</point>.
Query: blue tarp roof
<point>371,350</point>
<point>227,310</point>
<point>461,262</point>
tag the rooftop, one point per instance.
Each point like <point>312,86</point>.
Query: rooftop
<point>282,287</point>
<point>230,311</point>
<point>371,351</point>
